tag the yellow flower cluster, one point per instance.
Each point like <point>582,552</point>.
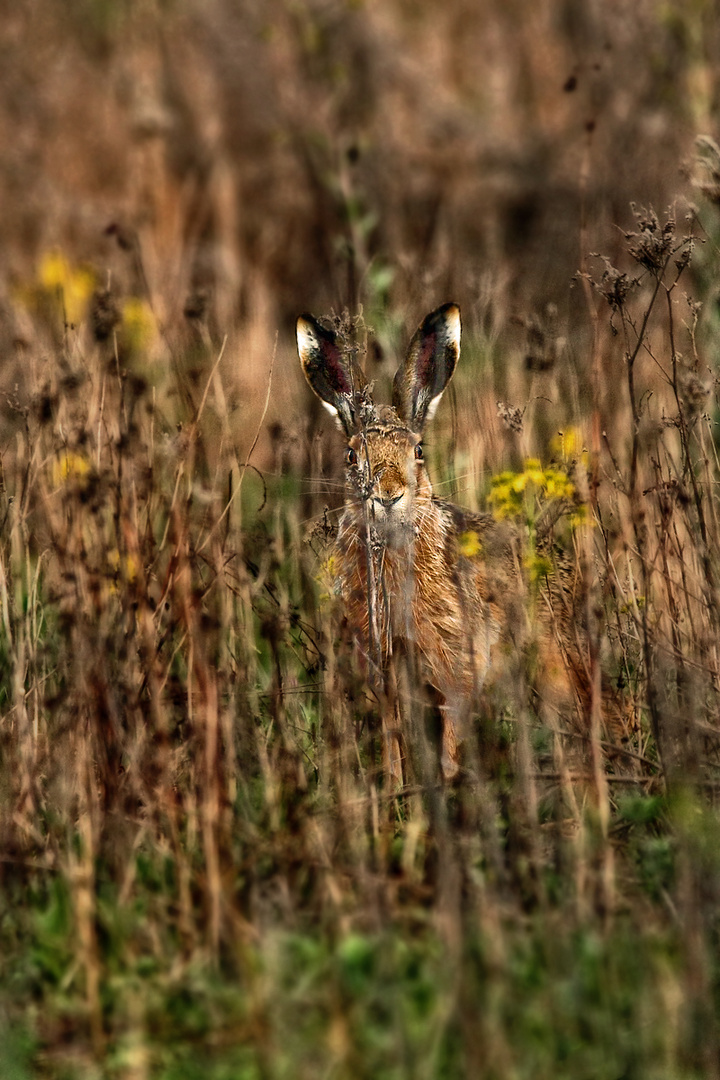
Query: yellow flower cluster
<point>469,544</point>
<point>138,326</point>
<point>69,466</point>
<point>126,566</point>
<point>73,284</point>
<point>514,494</point>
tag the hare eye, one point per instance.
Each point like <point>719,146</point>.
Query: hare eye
<point>350,456</point>
<point>419,452</point>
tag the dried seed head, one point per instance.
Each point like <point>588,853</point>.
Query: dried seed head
<point>652,244</point>
<point>614,284</point>
<point>511,416</point>
<point>104,314</point>
<point>693,391</point>
<point>707,160</point>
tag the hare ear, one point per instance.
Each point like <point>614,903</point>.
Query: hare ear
<point>331,376</point>
<point>428,367</point>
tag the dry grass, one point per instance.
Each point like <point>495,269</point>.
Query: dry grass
<point>194,816</point>
<point>202,871</point>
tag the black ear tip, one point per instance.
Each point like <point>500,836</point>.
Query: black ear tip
<point>447,315</point>
<point>445,321</point>
<point>310,331</point>
<point>450,311</point>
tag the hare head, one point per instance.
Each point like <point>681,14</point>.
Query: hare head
<point>387,481</point>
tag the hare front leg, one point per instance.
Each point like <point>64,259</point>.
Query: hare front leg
<point>449,763</point>
<point>391,720</point>
<point>391,746</point>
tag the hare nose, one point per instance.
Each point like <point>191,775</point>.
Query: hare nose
<point>387,501</point>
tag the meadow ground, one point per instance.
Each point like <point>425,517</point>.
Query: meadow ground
<point>203,872</point>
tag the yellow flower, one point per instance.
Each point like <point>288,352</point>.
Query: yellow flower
<point>53,271</point>
<point>567,444</point>
<point>580,517</point>
<point>69,466</point>
<point>533,473</point>
<point>138,326</point>
<point>127,566</point>
<point>513,494</point>
<point>469,544</point>
<point>557,485</point>
<point>506,494</point>
<point>538,567</point>
<point>74,285</point>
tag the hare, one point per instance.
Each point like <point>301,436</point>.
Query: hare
<point>419,576</point>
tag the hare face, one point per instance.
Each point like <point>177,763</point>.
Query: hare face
<point>387,485</point>
<point>386,482</point>
<point>386,476</point>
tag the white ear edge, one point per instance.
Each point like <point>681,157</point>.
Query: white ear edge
<point>432,407</point>
<point>334,413</point>
<point>454,326</point>
<point>306,337</point>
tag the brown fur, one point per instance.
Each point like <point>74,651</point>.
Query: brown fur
<point>418,575</point>
<point>422,578</point>
<point>427,581</point>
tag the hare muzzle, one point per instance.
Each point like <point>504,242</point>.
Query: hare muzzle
<point>395,495</point>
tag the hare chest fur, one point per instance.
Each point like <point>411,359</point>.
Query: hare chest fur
<point>399,553</point>
<point>415,572</point>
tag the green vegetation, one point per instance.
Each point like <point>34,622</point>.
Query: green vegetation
<point>203,873</point>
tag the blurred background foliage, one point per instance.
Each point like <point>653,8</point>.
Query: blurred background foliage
<point>239,162</point>
<point>287,156</point>
<point>201,872</point>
